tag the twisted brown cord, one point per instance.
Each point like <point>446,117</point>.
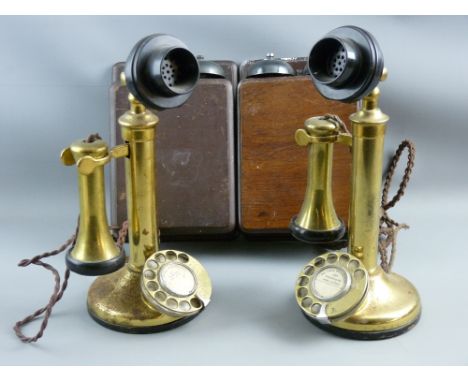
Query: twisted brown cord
<point>58,290</point>
<point>338,120</point>
<point>386,205</point>
<point>93,137</point>
<point>122,236</point>
<point>389,228</point>
<point>56,295</point>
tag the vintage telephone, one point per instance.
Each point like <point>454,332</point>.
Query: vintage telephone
<point>156,289</point>
<point>348,293</point>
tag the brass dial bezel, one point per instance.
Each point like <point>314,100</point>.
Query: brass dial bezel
<point>160,297</point>
<point>339,306</point>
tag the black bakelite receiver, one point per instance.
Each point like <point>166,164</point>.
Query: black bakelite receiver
<point>161,72</point>
<point>346,64</point>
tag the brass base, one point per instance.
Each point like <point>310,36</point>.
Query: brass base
<point>363,336</point>
<point>391,307</point>
<point>115,301</point>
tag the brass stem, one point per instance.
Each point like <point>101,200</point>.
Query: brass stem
<point>369,125</point>
<point>138,131</point>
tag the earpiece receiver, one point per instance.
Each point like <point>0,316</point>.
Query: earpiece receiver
<point>94,252</point>
<point>346,64</point>
<point>161,72</point>
<point>317,221</point>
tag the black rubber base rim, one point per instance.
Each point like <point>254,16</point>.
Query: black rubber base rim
<point>146,329</point>
<point>317,237</point>
<point>97,268</point>
<point>363,336</point>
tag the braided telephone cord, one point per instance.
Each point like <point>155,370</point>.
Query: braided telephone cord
<point>389,228</point>
<point>58,289</point>
<point>56,295</point>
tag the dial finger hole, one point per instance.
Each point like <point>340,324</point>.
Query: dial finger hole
<point>332,258</point>
<point>171,255</point>
<point>302,292</point>
<point>319,262</point>
<point>315,308</point>
<point>185,306</point>
<point>161,296</point>
<point>196,303</point>
<point>161,258</point>
<point>152,286</point>
<point>149,274</point>
<point>344,259</point>
<point>359,274</point>
<point>172,303</point>
<point>353,265</point>
<point>306,302</point>
<point>183,257</point>
<point>309,270</point>
<point>303,280</point>
<point>152,264</point>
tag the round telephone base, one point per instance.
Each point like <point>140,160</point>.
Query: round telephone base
<point>363,336</point>
<point>145,329</point>
<point>116,302</point>
<point>391,307</point>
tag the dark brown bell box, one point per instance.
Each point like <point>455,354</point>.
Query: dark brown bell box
<point>274,100</point>
<point>195,151</point>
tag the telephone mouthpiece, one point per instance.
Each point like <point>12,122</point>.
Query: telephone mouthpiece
<point>161,72</point>
<point>346,64</point>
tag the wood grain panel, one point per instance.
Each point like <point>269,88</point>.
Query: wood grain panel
<point>272,167</point>
<point>195,167</point>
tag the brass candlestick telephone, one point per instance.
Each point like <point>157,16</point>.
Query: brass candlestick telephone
<point>156,289</point>
<point>348,293</point>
